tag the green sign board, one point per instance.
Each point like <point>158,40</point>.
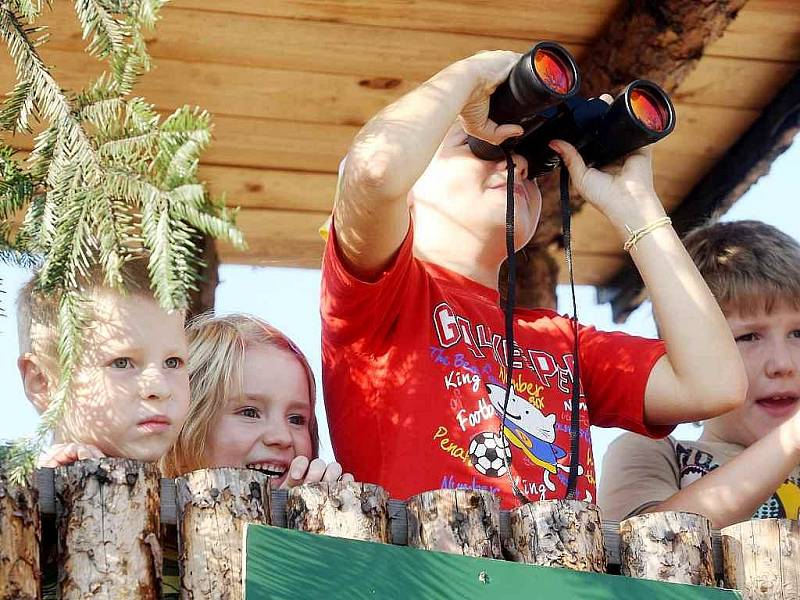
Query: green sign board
<point>280,563</point>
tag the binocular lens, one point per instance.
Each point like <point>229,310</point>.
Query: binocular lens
<point>650,110</point>
<point>553,71</point>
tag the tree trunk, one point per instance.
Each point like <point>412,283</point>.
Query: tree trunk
<point>558,533</point>
<point>537,277</point>
<point>213,506</point>
<point>349,510</point>
<point>20,535</point>
<point>762,559</point>
<point>202,299</point>
<point>458,521</point>
<point>107,512</point>
<point>667,546</point>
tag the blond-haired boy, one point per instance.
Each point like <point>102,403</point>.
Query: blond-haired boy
<point>130,388</point>
<point>745,463</point>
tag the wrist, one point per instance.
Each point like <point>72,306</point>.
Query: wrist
<point>640,214</point>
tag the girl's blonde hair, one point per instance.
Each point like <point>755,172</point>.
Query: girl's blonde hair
<point>217,346</point>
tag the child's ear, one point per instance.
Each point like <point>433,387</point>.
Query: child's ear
<point>34,380</point>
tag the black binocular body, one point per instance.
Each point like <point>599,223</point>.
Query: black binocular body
<point>540,94</point>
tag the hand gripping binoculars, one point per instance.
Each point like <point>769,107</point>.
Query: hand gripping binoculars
<point>540,94</point>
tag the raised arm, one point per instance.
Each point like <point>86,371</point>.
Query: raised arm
<point>702,374</point>
<point>392,150</point>
<point>732,492</point>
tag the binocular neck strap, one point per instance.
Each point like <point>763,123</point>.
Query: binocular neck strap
<point>574,432</point>
<point>511,292</point>
<point>575,421</point>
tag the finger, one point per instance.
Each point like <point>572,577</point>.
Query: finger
<point>333,472</point>
<point>347,477</point>
<point>297,472</point>
<point>571,159</point>
<point>59,455</point>
<point>96,452</point>
<point>89,451</point>
<point>316,471</point>
<point>497,134</point>
<point>83,452</point>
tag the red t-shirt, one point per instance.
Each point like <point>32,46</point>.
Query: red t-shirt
<point>414,381</point>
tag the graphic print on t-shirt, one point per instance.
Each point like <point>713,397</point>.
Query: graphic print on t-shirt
<point>534,433</point>
<point>694,463</point>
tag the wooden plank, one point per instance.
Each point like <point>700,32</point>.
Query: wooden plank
<point>262,188</point>
<point>765,29</point>
<point>733,82</point>
<point>278,238</point>
<point>568,20</point>
<point>265,143</point>
<point>296,45</point>
<point>245,91</point>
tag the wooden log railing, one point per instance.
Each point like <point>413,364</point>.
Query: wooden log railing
<point>210,508</point>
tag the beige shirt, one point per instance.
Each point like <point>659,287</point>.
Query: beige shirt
<point>639,472</point>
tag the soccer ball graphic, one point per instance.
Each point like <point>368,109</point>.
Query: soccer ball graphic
<point>489,452</point>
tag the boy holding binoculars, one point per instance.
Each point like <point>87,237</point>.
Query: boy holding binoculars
<point>413,337</point>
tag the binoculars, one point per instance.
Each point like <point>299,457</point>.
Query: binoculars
<point>540,94</point>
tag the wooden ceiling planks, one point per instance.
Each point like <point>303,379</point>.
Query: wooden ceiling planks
<point>290,82</point>
<point>567,20</point>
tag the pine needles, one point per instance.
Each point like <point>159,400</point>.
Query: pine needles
<point>107,181</point>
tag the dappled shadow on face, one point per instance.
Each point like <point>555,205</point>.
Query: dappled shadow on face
<point>127,399</point>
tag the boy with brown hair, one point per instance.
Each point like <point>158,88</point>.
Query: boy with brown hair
<point>745,463</point>
<point>413,343</point>
<point>130,388</point>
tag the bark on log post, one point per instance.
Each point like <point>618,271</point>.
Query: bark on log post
<point>458,521</point>
<point>667,546</point>
<point>213,506</point>
<point>762,559</point>
<point>358,511</point>
<point>107,514</point>
<point>558,533</point>
<point>20,535</point>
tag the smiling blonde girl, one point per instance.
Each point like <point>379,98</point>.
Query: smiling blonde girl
<point>252,404</point>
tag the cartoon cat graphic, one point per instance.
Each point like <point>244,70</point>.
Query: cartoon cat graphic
<point>527,428</point>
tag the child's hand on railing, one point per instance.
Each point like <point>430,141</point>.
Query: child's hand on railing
<point>302,471</point>
<point>59,455</point>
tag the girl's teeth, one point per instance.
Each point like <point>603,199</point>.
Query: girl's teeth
<point>268,469</point>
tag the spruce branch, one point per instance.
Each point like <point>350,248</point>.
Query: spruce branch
<point>107,179</point>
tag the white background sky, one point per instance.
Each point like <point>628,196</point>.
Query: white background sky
<point>289,298</point>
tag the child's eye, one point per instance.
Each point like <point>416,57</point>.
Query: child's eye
<point>297,420</point>
<point>122,363</point>
<point>173,362</point>
<point>249,412</point>
<point>795,333</point>
<point>747,337</point>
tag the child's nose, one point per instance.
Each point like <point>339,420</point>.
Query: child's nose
<point>276,434</point>
<point>782,360</point>
<point>154,385</point>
